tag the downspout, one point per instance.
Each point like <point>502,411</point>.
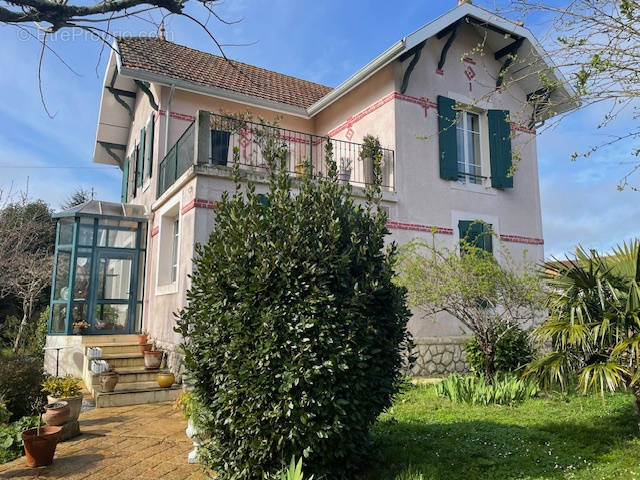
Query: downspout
<point>166,123</point>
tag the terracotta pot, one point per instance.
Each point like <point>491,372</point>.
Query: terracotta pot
<point>40,449</point>
<point>75,404</point>
<point>108,381</point>
<point>153,360</point>
<point>165,380</point>
<point>145,347</point>
<point>56,413</point>
<point>142,339</point>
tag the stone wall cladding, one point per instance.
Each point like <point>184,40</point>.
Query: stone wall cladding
<point>439,356</point>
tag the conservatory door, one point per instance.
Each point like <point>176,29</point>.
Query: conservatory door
<point>113,292</point>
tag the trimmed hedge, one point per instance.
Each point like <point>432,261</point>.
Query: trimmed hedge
<point>296,332</point>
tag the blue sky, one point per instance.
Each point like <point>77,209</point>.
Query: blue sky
<point>320,41</point>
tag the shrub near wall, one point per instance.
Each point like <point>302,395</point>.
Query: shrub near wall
<point>295,330</point>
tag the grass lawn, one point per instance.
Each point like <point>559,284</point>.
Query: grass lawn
<point>424,437</point>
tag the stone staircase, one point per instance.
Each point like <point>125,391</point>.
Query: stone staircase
<point>135,385</point>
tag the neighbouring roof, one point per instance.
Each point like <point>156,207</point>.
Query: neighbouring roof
<point>177,61</point>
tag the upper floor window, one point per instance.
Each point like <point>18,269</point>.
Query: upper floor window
<point>468,147</point>
<point>461,134</point>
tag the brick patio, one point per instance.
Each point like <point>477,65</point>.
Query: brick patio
<point>134,442</point>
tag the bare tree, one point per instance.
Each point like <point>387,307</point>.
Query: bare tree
<point>596,45</point>
<point>29,278</point>
<point>489,299</point>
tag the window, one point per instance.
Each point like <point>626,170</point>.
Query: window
<point>174,250</point>
<point>475,233</point>
<point>169,250</point>
<point>468,146</point>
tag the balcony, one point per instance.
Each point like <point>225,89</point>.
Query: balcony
<point>211,140</point>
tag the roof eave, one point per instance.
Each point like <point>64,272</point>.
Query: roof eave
<point>211,91</point>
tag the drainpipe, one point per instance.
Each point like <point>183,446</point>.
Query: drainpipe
<point>166,123</point>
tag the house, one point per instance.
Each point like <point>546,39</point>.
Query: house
<point>450,116</point>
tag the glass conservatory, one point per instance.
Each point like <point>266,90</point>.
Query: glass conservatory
<point>98,273</point>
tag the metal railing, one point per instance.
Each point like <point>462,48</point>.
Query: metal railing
<point>303,150</point>
<point>177,160</point>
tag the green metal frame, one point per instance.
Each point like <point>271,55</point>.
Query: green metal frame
<point>137,254</point>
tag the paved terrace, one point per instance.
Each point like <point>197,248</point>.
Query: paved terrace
<point>135,442</point>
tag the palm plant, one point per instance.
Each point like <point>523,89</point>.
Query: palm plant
<point>593,323</point>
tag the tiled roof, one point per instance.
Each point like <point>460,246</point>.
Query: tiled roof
<point>166,58</point>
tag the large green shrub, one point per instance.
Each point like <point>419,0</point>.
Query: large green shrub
<point>295,332</point>
<point>514,350</point>
<point>11,438</point>
<point>20,379</point>
<point>504,390</point>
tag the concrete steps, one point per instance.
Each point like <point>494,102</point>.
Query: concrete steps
<point>136,385</point>
<point>136,397</point>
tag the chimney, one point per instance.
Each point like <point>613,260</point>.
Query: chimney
<point>460,2</point>
<point>161,33</point>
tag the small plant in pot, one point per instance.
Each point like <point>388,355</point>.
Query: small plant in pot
<point>40,443</point>
<point>344,174</point>
<point>153,359</point>
<point>109,380</point>
<point>67,388</point>
<point>370,151</point>
<point>80,328</point>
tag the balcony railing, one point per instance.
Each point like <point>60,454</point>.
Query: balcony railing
<point>223,134</point>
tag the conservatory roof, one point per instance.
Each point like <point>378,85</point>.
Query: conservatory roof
<point>98,208</point>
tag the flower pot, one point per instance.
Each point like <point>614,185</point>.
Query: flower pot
<point>79,331</point>
<point>344,175</point>
<point>56,413</point>
<point>108,381</point>
<point>165,380</point>
<point>142,339</point>
<point>75,404</point>
<point>145,347</point>
<point>300,169</point>
<point>40,449</point>
<point>152,360</point>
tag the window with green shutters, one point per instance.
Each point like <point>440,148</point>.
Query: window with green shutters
<point>148,150</point>
<point>500,148</point>
<point>460,134</point>
<point>140,166</point>
<point>125,181</point>
<point>135,170</point>
<point>475,233</point>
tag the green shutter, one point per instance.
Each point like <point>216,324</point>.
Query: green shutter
<point>140,166</point>
<point>125,181</point>
<point>500,148</point>
<point>148,161</point>
<point>134,170</point>
<point>476,233</point>
<point>447,141</point>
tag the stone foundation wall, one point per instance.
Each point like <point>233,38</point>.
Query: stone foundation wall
<point>439,356</point>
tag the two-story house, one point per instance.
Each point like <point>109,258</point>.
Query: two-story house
<point>452,104</point>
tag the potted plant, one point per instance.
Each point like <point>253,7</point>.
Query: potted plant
<point>67,388</point>
<point>80,328</point>
<point>57,413</point>
<point>40,443</point>
<point>344,174</point>
<point>109,380</point>
<point>143,337</point>
<point>153,359</point>
<point>302,167</point>
<point>371,150</point>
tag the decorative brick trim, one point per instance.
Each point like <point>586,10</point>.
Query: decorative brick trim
<point>420,228</point>
<point>521,239</point>
<point>198,203</point>
<point>440,72</point>
<point>469,60</point>
<point>519,128</point>
<point>155,230</point>
<point>178,116</point>
<point>423,102</point>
